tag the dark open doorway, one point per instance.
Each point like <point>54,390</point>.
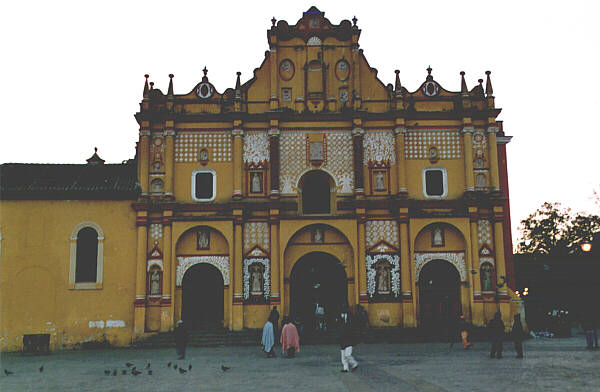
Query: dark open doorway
<point>317,277</point>
<point>439,296</point>
<point>202,302</point>
<point>316,194</point>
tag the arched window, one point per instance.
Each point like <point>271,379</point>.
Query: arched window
<point>316,194</point>
<point>87,253</point>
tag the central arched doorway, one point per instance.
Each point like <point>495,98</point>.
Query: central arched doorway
<point>439,295</point>
<point>317,277</point>
<point>202,302</point>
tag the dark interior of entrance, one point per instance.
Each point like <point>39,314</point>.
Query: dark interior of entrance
<point>439,295</point>
<point>202,302</point>
<point>315,193</point>
<point>317,277</point>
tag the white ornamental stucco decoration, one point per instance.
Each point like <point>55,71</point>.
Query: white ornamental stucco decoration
<point>185,262</point>
<point>156,231</point>
<point>457,259</point>
<point>382,230</point>
<point>379,147</point>
<point>256,148</point>
<point>418,143</point>
<point>340,160</point>
<point>266,276</point>
<point>484,231</point>
<point>394,261</point>
<point>256,233</point>
<point>188,143</point>
<point>292,156</point>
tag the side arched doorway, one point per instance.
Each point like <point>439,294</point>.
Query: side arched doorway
<point>202,302</point>
<point>439,296</point>
<point>317,277</point>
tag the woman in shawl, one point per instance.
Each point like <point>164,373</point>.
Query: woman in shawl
<point>290,342</point>
<point>496,331</point>
<point>268,338</point>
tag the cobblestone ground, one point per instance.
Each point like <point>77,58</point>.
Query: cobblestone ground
<point>549,365</point>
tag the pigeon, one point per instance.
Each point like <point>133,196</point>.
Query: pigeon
<point>149,372</point>
<point>107,372</point>
<point>8,372</point>
<point>182,370</point>
<point>129,364</point>
<point>124,372</point>
<point>42,368</point>
<point>169,364</point>
<point>115,372</point>
<point>175,367</point>
<point>135,372</point>
<point>224,368</point>
<point>190,367</point>
<point>148,365</point>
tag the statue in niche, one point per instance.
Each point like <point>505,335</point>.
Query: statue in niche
<point>379,181</point>
<point>486,278</point>
<point>437,237</point>
<point>382,278</point>
<point>155,282</point>
<point>256,279</point>
<point>478,162</point>
<point>316,151</point>
<point>255,182</point>
<point>318,235</point>
<point>203,239</point>
<point>480,181</point>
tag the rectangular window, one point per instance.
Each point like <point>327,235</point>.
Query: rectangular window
<point>434,182</point>
<point>204,185</point>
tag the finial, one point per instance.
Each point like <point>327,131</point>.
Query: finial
<point>151,85</point>
<point>463,84</point>
<point>237,82</point>
<point>398,87</point>
<point>354,20</point>
<point>273,21</point>
<point>205,70</point>
<point>429,70</point>
<point>95,150</point>
<point>170,92</point>
<point>489,91</point>
<point>480,82</point>
<point>146,89</point>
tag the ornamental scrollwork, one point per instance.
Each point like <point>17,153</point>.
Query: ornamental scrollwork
<point>394,261</point>
<point>185,262</point>
<point>457,259</point>
<point>266,276</point>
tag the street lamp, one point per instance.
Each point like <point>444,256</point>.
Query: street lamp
<point>586,246</point>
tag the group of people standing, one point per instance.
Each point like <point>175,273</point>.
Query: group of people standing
<point>290,340</point>
<point>495,330</point>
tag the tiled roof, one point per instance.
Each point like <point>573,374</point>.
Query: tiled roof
<point>26,181</point>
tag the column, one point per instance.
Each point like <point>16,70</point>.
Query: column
<point>237,162</point>
<point>501,265</point>
<point>493,149</point>
<point>144,156</point>
<point>274,161</point>
<point>357,141</point>
<point>478,317</point>
<point>274,61</point>
<point>166,303</point>
<point>275,271</point>
<point>408,310</point>
<point>361,240</point>
<point>468,148</point>
<point>236,273</point>
<point>169,160</point>
<point>400,133</point>
<point>139,304</point>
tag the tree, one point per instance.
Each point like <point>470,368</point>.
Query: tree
<point>554,230</point>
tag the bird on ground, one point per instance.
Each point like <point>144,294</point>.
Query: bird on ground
<point>175,367</point>
<point>128,364</point>
<point>169,364</point>
<point>135,372</point>
<point>41,368</point>
<point>224,368</point>
<point>8,372</point>
<point>107,372</point>
<point>190,367</point>
<point>149,372</point>
<point>182,370</point>
<point>115,372</point>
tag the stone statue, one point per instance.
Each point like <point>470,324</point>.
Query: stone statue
<point>318,236</point>
<point>379,181</point>
<point>438,237</point>
<point>203,239</point>
<point>255,186</point>
<point>256,284</point>
<point>383,278</point>
<point>155,283</point>
<point>486,278</point>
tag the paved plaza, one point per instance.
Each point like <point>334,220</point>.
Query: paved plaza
<point>549,365</point>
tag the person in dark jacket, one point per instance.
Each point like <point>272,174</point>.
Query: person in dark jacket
<point>274,318</point>
<point>181,339</point>
<point>518,335</point>
<point>347,336</point>
<point>496,332</point>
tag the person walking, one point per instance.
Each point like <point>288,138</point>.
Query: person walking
<point>588,328</point>
<point>268,338</point>
<point>347,338</point>
<point>496,332</point>
<point>465,330</point>
<point>290,341</point>
<point>518,335</point>
<point>274,317</point>
<point>181,339</point>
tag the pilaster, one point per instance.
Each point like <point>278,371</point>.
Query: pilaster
<point>468,148</point>
<point>400,132</point>
<point>361,268</point>
<point>274,161</point>
<point>238,169</point>
<point>166,303</point>
<point>144,156</point>
<point>169,158</point>
<point>493,150</point>
<point>139,303</point>
<point>236,272</point>
<point>357,141</point>
<point>408,310</point>
<point>275,271</point>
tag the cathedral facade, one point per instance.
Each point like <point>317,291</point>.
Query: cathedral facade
<point>310,183</point>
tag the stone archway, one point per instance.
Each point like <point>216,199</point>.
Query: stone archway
<point>439,296</point>
<point>317,277</point>
<point>202,297</point>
